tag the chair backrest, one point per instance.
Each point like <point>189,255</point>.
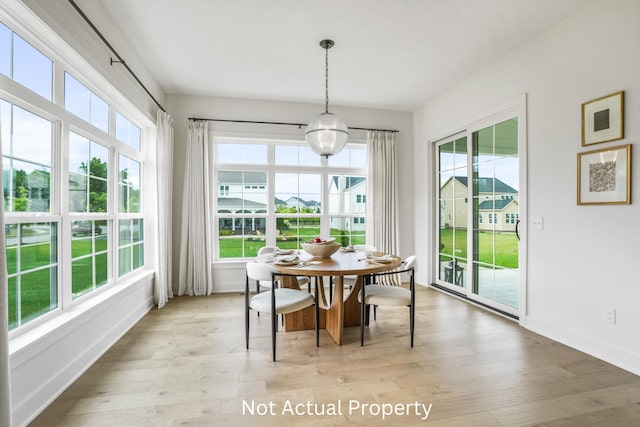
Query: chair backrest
<point>365,248</point>
<point>267,250</point>
<point>259,271</point>
<point>409,262</point>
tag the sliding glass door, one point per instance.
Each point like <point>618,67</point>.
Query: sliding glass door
<point>496,214</point>
<point>479,212</point>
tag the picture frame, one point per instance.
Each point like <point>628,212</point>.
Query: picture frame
<point>603,119</point>
<point>604,176</point>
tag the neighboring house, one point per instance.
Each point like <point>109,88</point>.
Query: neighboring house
<point>497,209</point>
<point>347,194</point>
<point>298,203</point>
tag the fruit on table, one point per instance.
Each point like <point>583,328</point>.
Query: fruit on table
<point>318,240</point>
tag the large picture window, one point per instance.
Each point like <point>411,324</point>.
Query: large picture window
<point>72,192</point>
<point>282,194</point>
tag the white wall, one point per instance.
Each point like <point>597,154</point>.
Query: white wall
<point>230,276</point>
<point>584,258</point>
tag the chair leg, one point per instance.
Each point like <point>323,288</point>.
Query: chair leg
<point>365,281</point>
<point>246,313</point>
<point>258,291</point>
<point>374,312</point>
<point>317,313</point>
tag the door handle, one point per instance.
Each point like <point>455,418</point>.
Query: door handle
<point>517,234</point>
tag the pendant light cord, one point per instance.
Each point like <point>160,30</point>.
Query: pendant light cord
<point>326,79</point>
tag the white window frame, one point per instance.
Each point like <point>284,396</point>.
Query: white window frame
<point>66,60</point>
<point>272,138</point>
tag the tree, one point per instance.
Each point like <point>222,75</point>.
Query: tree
<point>97,187</point>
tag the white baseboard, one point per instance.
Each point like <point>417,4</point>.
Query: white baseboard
<point>617,356</point>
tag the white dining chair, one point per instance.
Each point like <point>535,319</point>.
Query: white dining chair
<point>279,301</point>
<point>391,293</point>
<point>350,281</point>
<point>303,281</point>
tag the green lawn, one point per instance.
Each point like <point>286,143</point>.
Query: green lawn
<point>248,246</point>
<point>506,247</point>
<point>38,289</point>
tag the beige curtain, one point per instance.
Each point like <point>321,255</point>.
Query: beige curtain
<point>195,248</point>
<point>5,377</point>
<point>382,192</point>
<point>163,289</point>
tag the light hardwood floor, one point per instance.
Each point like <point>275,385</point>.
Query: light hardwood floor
<point>186,364</point>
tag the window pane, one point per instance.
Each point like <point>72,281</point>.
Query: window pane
<point>35,246</point>
<point>76,97</point>
<point>242,192</point>
<point>32,267</point>
<point>138,255</point>
<point>349,157</point>
<point>229,153</point>
<point>11,238</point>
<point>127,132</point>
<point>5,50</point>
<point>79,100</point>
<point>31,68</point>
<point>255,154</point>
<point>348,230</point>
<point>38,293</point>
<point>31,137</point>
<point>347,194</point>
<point>297,192</point>
<point>87,159</point>
<point>241,237</point>
<point>30,186</point>
<point>296,155</point>
<point>124,260</point>
<point>99,113</point>
<point>129,185</point>
<point>81,276</point>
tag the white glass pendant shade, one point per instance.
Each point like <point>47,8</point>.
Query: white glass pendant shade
<point>327,134</point>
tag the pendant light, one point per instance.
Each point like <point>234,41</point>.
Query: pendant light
<point>327,134</point>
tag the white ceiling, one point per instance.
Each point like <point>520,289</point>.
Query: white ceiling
<point>390,54</point>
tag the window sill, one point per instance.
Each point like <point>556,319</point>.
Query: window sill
<point>35,339</point>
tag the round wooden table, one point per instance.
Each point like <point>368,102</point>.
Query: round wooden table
<point>344,309</point>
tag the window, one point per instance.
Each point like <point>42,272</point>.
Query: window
<point>73,224</point>
<point>25,64</point>
<point>127,132</point>
<point>26,162</point>
<point>79,100</point>
<point>88,175</point>
<point>285,201</point>
<point>32,268</point>
<point>129,184</point>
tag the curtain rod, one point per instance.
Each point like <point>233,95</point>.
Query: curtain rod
<point>119,58</point>
<point>300,125</point>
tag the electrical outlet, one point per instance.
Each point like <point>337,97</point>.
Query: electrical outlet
<point>609,315</point>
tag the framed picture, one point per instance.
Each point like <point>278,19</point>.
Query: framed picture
<point>603,119</point>
<point>604,176</point>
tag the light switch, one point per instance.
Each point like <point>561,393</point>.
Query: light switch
<point>537,222</point>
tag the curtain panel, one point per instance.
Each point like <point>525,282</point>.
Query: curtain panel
<point>163,289</point>
<point>382,192</point>
<point>5,372</point>
<point>196,256</point>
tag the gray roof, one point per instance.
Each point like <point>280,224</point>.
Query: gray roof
<point>238,203</point>
<point>350,181</point>
<point>233,177</point>
<point>488,185</point>
<point>489,205</point>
